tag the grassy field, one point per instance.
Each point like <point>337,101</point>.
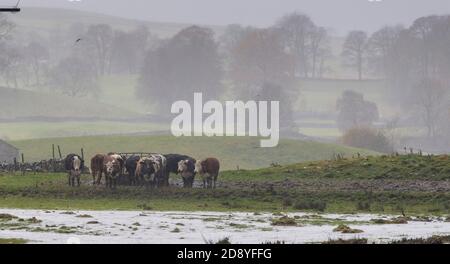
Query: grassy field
<point>36,130</point>
<point>412,185</point>
<point>321,95</point>
<point>17,103</point>
<point>244,152</point>
<point>119,90</point>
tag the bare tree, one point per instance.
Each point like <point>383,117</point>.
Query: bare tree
<point>320,51</point>
<point>432,102</point>
<point>11,64</point>
<point>37,57</point>
<point>129,49</point>
<point>297,30</point>
<point>383,50</point>
<point>354,51</point>
<point>99,40</point>
<point>74,77</point>
<point>260,58</point>
<point>187,63</point>
<point>6,26</point>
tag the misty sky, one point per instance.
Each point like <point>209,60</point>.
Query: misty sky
<point>341,15</point>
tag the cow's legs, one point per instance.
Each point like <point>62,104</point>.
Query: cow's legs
<point>68,178</point>
<point>209,182</point>
<point>99,179</point>
<point>78,180</point>
<point>93,176</point>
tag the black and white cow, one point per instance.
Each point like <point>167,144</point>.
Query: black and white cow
<point>187,168</point>
<point>74,165</point>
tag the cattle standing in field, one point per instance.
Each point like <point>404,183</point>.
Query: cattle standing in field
<point>161,175</point>
<point>145,172</point>
<point>186,168</point>
<point>74,165</point>
<point>209,170</point>
<point>173,167</point>
<point>97,168</point>
<point>131,165</point>
<point>151,170</point>
<point>112,167</point>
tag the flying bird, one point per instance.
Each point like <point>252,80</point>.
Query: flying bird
<point>78,40</point>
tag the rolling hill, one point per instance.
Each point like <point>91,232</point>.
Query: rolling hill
<point>232,151</point>
<point>16,104</point>
<point>44,20</point>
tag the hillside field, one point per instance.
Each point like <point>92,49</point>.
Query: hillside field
<point>18,103</point>
<point>244,152</point>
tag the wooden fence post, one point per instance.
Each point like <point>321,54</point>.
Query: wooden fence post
<point>59,151</point>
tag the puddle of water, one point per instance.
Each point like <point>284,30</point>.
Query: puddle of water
<point>137,227</point>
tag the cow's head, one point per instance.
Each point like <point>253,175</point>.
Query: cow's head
<point>76,165</point>
<point>183,166</point>
<point>199,167</point>
<point>157,163</point>
<point>147,167</point>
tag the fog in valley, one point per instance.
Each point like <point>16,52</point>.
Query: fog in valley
<point>374,75</point>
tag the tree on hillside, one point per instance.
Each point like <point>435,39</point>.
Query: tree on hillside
<point>11,63</point>
<point>297,30</point>
<point>6,26</point>
<point>37,57</point>
<point>354,111</point>
<point>383,50</point>
<point>187,63</point>
<point>354,51</point>
<point>259,58</point>
<point>432,100</point>
<point>274,92</point>
<point>129,49</point>
<point>320,51</point>
<point>98,40</point>
<point>74,77</point>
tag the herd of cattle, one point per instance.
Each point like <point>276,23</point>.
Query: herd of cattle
<point>149,170</point>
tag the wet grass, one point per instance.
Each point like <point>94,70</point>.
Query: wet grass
<point>253,191</point>
<point>7,241</point>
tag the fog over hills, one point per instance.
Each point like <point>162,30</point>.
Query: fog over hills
<point>342,15</point>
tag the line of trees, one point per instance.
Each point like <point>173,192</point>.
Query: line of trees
<point>244,62</point>
<point>70,61</point>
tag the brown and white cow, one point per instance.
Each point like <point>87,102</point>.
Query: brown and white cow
<point>97,168</point>
<point>151,170</point>
<point>186,168</point>
<point>208,169</point>
<point>145,172</point>
<point>74,165</point>
<point>112,167</point>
